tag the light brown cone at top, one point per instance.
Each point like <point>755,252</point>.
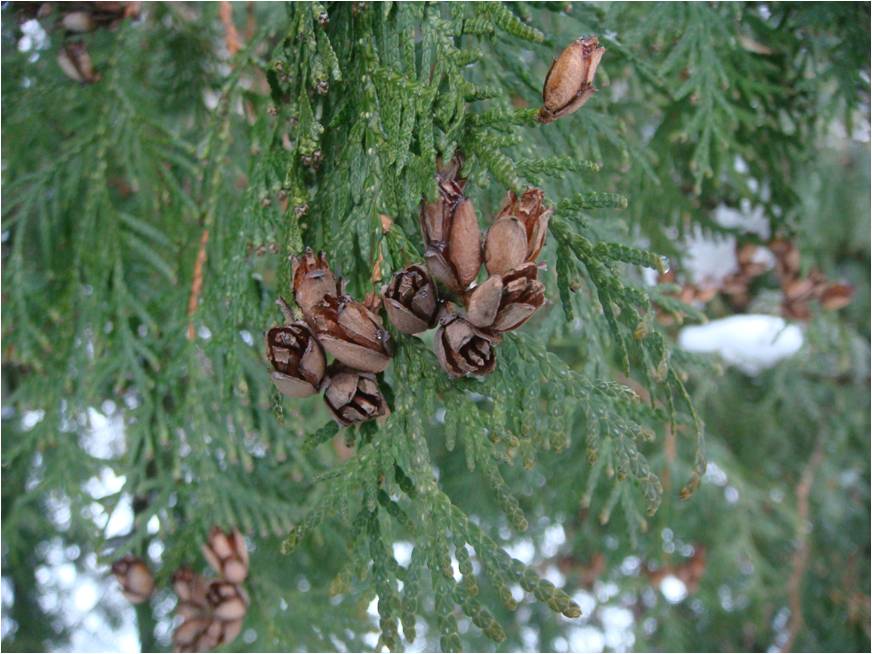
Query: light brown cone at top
<point>569,83</point>
<point>227,553</point>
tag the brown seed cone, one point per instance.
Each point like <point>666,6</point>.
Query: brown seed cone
<point>351,333</point>
<point>531,211</point>
<point>746,257</point>
<point>191,588</point>
<point>228,601</point>
<point>787,258</point>
<point>569,83</point>
<point>297,359</point>
<point>505,246</point>
<point>78,21</point>
<point>137,582</point>
<point>452,239</point>
<point>505,302</point>
<point>227,553</point>
<point>187,636</point>
<point>836,295</point>
<point>353,396</point>
<point>312,280</point>
<point>410,300</point>
<point>461,348</point>
<point>76,63</point>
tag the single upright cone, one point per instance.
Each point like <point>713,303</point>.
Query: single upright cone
<point>353,396</point>
<point>297,359</point>
<point>312,280</point>
<point>505,302</point>
<point>410,300</point>
<point>351,333</point>
<point>227,553</point>
<point>569,83</point>
<point>191,589</point>
<point>137,582</point>
<point>531,212</point>
<point>461,348</point>
<point>227,600</point>
<point>452,239</point>
<point>75,61</point>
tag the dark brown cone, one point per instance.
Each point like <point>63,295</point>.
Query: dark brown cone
<point>297,359</point>
<point>353,396</point>
<point>461,348</point>
<point>410,300</point>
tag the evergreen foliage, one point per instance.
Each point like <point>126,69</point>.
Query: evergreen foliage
<point>147,223</point>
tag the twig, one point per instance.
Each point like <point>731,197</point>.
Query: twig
<point>231,36</point>
<point>250,23</point>
<point>197,283</point>
<point>800,556</point>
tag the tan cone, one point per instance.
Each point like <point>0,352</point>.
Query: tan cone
<point>137,582</point>
<point>227,553</point>
<point>569,83</point>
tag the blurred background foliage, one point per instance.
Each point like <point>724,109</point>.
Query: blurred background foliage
<point>132,423</point>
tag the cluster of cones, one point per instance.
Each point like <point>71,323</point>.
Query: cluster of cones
<point>799,291</point>
<point>211,610</point>
<point>77,18</point>
<point>442,292</point>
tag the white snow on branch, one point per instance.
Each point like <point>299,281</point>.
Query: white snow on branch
<point>751,342</point>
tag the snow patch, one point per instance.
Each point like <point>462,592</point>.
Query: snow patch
<point>751,342</point>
